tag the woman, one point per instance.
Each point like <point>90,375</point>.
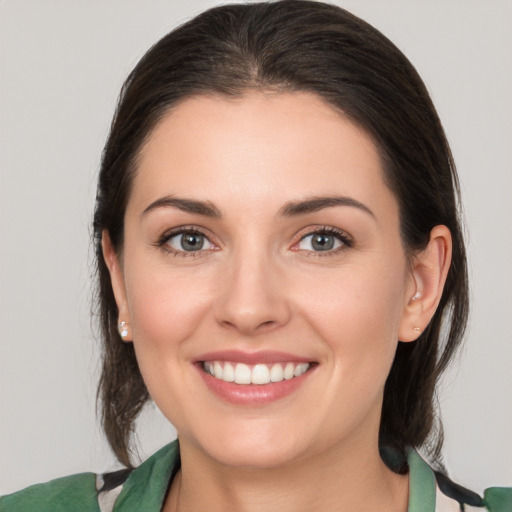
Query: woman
<point>279,252</point>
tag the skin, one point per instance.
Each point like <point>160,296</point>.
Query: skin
<point>258,284</point>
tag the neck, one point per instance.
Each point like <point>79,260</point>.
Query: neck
<point>344,478</point>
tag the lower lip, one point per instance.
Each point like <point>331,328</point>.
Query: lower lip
<point>252,394</point>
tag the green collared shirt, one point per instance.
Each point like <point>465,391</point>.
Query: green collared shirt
<point>144,490</point>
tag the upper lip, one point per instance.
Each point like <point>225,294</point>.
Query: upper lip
<point>252,358</point>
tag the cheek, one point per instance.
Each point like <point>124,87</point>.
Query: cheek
<point>165,307</point>
<point>357,313</point>
<point>354,298</point>
<point>166,311</point>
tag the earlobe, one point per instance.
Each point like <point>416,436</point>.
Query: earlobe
<point>429,273</point>
<point>117,281</point>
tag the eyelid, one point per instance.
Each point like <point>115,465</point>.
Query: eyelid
<point>346,240</point>
<point>179,230</point>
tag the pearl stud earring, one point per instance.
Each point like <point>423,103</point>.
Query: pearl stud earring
<point>123,329</point>
<point>417,330</point>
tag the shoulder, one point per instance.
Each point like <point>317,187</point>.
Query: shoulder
<point>146,486</point>
<point>58,495</point>
<point>455,498</point>
<point>498,499</point>
<point>447,496</point>
<point>143,488</point>
<point>452,496</point>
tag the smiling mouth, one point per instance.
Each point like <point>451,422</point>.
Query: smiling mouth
<point>244,374</point>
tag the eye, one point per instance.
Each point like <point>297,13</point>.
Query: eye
<point>324,240</point>
<point>186,241</point>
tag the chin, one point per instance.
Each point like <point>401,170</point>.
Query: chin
<point>254,447</point>
<point>256,456</point>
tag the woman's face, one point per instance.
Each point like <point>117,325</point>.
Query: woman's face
<point>262,242</point>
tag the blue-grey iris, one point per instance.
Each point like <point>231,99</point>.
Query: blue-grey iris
<point>192,242</point>
<point>322,242</point>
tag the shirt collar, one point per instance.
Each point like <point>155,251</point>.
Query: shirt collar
<point>147,486</point>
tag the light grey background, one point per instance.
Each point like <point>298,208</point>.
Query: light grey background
<point>61,66</point>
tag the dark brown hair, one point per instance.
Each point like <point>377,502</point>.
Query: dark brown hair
<point>295,45</point>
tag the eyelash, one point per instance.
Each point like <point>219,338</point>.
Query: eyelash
<point>164,239</point>
<point>343,237</point>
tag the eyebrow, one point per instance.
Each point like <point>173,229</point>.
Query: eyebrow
<point>206,208</point>
<point>290,209</point>
<point>314,204</point>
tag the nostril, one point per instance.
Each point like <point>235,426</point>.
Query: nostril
<point>265,325</point>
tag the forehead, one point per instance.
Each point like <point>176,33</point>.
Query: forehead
<point>261,148</point>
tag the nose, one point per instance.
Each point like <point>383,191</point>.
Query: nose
<point>253,295</point>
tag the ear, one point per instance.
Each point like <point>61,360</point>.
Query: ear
<point>428,276</point>
<point>117,280</point>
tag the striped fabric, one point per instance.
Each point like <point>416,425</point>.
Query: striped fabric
<point>145,488</point>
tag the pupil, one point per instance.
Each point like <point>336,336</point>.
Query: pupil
<point>191,242</point>
<point>322,242</point>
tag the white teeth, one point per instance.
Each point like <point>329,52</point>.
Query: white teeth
<point>217,370</point>
<point>289,371</point>
<point>229,373</point>
<point>241,373</point>
<point>276,373</point>
<point>260,374</point>
<point>301,369</point>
